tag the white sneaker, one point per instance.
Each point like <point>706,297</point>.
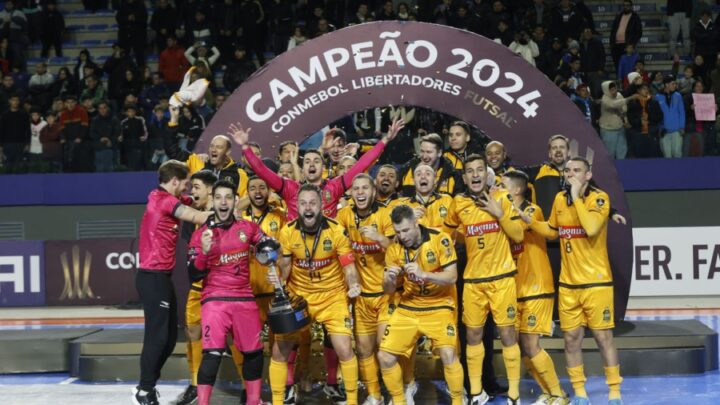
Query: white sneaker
<point>410,391</point>
<point>372,401</point>
<point>480,399</point>
<point>543,399</point>
<point>558,401</point>
<point>511,401</point>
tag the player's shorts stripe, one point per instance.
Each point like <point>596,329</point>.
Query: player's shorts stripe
<point>536,297</point>
<point>372,295</point>
<point>591,285</point>
<point>195,288</point>
<point>228,299</point>
<point>265,295</point>
<point>426,309</point>
<point>489,279</point>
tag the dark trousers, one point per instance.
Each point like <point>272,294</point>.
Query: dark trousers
<point>54,41</point>
<point>161,324</point>
<point>617,52</point>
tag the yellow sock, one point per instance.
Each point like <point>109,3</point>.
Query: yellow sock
<point>278,376</point>
<point>393,382</point>
<point>613,380</point>
<point>454,378</point>
<point>408,367</point>
<point>196,353</point>
<point>543,365</point>
<point>531,370</point>
<point>369,375</point>
<point>475,356</point>
<point>238,360</point>
<point>349,370</point>
<point>577,379</point>
<point>511,357</point>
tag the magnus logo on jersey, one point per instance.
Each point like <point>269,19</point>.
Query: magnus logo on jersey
<point>572,232</point>
<point>364,248</point>
<point>482,228</point>
<point>233,257</point>
<point>313,264</point>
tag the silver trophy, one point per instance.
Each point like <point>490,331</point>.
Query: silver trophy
<point>285,315</point>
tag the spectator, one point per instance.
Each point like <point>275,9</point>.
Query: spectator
<point>504,36</point>
<point>151,95</point>
<point>85,66</point>
<point>14,23</point>
<point>525,47</point>
<point>679,12</point>
<point>570,76</point>
<point>253,28</point>
<point>14,135</point>
<point>715,79</point>
<point>190,127</point>
<point>699,136</point>
<point>632,82</point>
<point>566,22</point>
<point>686,81</point>
<point>227,21</point>
<point>7,90</point>
<point>93,90</point>
<point>132,28</point>
<point>163,22</point>
<point>52,146</point>
<point>492,20</point>
<point>35,151</point>
<point>238,69</point>
<point>41,87</point>
<point>592,61</point>
<point>201,29</point>
<point>133,139</point>
<point>74,123</point>
<point>115,67</point>
<point>361,16</point>
<point>552,58</point>
<point>586,104</point>
<point>157,133</point>
<point>6,58</point>
<point>187,11</point>
<point>403,12</point>
<point>95,5</point>
<point>104,132</point>
<point>538,15</point>
<point>299,37</point>
<point>705,39</point>
<point>387,13</point>
<point>626,30</point>
<point>53,27</point>
<point>544,43</point>
<point>131,84</point>
<point>173,64</point>
<point>131,100</point>
<point>700,71</point>
<point>644,116</point>
<point>281,24</point>
<point>87,104</point>
<point>657,84</point>
<point>627,61</point>
<point>613,108</point>
<point>640,68</point>
<point>202,56</point>
<point>323,27</point>
<point>673,125</point>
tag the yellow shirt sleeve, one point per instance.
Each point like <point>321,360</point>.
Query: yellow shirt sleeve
<point>446,249</point>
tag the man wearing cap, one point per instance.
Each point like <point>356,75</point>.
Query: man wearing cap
<point>673,123</point>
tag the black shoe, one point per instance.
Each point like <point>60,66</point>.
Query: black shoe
<point>188,397</point>
<point>335,393</point>
<point>151,398</point>
<point>290,395</point>
<point>494,389</point>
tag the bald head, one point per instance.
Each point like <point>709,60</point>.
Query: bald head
<point>219,150</point>
<point>495,154</point>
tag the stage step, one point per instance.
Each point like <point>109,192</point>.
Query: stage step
<point>37,351</point>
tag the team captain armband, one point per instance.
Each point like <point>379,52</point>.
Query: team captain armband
<point>347,258</point>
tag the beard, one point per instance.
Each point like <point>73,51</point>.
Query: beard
<point>305,223</point>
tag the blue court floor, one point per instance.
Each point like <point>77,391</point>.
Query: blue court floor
<point>59,388</point>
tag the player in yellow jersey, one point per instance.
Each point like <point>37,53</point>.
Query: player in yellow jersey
<point>430,207</point>
<point>318,263</point>
<point>370,231</point>
<point>387,181</point>
<point>426,259</point>
<point>535,292</point>
<point>459,142</point>
<point>200,190</point>
<point>579,219</point>
<point>489,283</point>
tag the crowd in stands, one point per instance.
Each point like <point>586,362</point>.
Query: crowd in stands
<point>110,116</point>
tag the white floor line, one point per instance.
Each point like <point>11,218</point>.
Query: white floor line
<point>68,381</point>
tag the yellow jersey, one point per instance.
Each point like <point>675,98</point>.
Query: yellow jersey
<point>535,277</point>
<point>230,172</point>
<point>585,261</point>
<point>315,260</point>
<point>270,221</point>
<point>390,202</point>
<point>369,255</point>
<point>437,206</point>
<point>488,245</point>
<point>436,252</point>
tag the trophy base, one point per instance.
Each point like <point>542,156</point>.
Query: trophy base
<point>286,318</point>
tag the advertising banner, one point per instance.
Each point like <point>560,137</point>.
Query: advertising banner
<point>21,274</point>
<point>676,261</point>
<point>91,272</point>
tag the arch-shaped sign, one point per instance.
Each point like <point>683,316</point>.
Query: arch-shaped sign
<point>428,65</point>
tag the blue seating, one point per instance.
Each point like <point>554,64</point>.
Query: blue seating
<point>97,27</point>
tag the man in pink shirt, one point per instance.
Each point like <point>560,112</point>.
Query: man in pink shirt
<point>220,252</point>
<point>159,232</point>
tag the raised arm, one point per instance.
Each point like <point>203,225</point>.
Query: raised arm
<point>241,136</point>
<point>371,156</point>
